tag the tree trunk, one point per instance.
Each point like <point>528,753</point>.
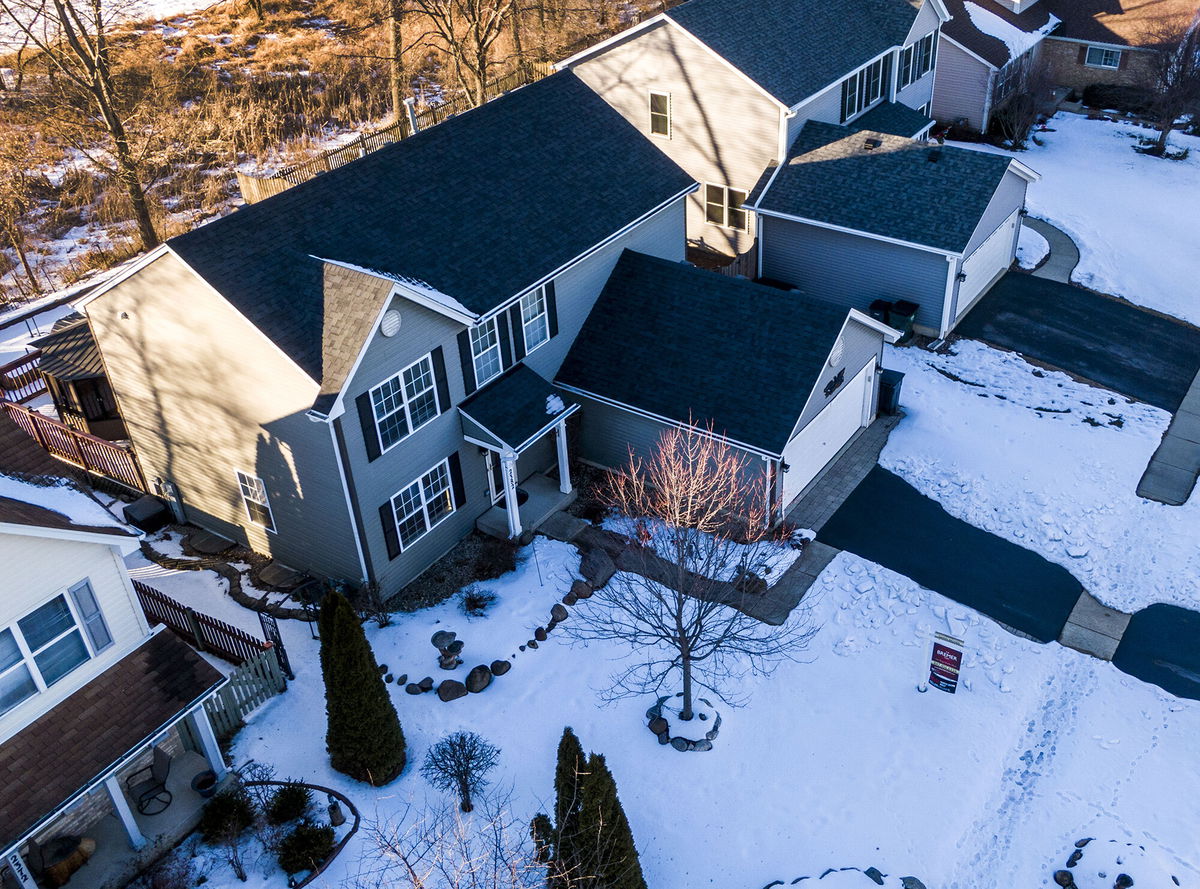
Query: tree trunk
<point>686,664</point>
<point>1164,133</point>
<point>515,9</point>
<point>465,792</point>
<point>18,241</point>
<point>127,171</point>
<point>395,63</point>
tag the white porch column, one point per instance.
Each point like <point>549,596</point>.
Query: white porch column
<point>208,743</point>
<point>16,865</point>
<point>124,812</point>
<point>508,470</point>
<point>564,466</point>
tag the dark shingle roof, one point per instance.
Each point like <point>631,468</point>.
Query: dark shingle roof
<point>692,345</point>
<point>18,512</point>
<point>962,30</point>
<point>479,207</point>
<point>795,48</point>
<point>69,352</point>
<point>894,190</point>
<point>62,751</point>
<point>1120,22</point>
<point>515,407</point>
<point>893,118</point>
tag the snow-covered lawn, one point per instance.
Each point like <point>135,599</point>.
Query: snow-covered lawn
<point>1134,217</point>
<point>1048,463</point>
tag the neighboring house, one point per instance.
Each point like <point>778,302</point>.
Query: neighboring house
<point>856,215</point>
<point>351,374</point>
<point>786,381</point>
<point>989,47</point>
<point>724,86</point>
<point>988,50</point>
<point>86,690</point>
<point>74,373</point>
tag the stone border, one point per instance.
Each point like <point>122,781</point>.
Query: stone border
<point>660,728</point>
<point>328,791</point>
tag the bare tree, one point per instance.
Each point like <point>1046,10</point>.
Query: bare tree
<point>1020,98</point>
<point>460,762</point>
<point>1175,74</point>
<point>703,546</point>
<point>72,37</point>
<point>395,16</point>
<point>466,31</point>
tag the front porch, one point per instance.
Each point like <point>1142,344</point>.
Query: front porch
<point>544,500</point>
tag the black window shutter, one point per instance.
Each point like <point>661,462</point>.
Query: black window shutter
<point>468,365</point>
<point>456,481</point>
<point>366,417</point>
<point>551,308</point>
<point>387,517</point>
<point>1082,54</point>
<point>518,332</point>
<point>506,356</point>
<point>439,379</point>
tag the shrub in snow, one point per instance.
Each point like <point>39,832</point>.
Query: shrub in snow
<point>306,847</point>
<point>364,738</point>
<point>228,814</point>
<point>291,801</point>
<point>460,763</point>
<point>475,602</point>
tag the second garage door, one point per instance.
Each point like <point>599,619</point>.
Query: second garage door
<point>983,267</point>
<point>817,443</point>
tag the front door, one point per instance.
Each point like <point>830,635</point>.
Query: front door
<point>495,476</point>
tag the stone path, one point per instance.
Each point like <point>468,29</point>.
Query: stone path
<point>1064,255</point>
<point>1171,475</point>
<point>1094,628</point>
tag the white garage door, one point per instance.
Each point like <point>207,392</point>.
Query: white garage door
<point>991,258</point>
<point>815,445</point>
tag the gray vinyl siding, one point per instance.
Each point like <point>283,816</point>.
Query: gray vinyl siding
<point>724,129</point>
<point>577,288</point>
<point>852,270</point>
<point>927,20</point>
<point>917,93</point>
<point>961,86</point>
<point>859,344</point>
<point>1009,196</point>
<point>825,107</point>
<point>204,395</point>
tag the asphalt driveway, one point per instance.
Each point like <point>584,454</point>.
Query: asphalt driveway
<point>1162,645</point>
<point>1138,353</point>
<point>886,520</point>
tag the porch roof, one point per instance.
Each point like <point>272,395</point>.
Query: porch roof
<point>69,351</point>
<point>514,409</point>
<point>86,736</point>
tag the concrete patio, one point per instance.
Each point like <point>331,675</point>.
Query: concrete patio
<point>545,499</point>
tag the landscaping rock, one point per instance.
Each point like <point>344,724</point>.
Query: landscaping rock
<point>499,668</point>
<point>478,679</point>
<point>1079,844</point>
<point>658,725</point>
<point>711,735</point>
<point>382,668</point>
<point>451,690</point>
<point>1064,878</point>
<point>598,567</point>
<point>702,745</point>
<point>911,883</point>
<point>581,589</point>
<point>1124,881</point>
<point>540,634</point>
<point>426,684</point>
<point>550,626</point>
<point>403,679</point>
<point>558,613</point>
<point>532,643</point>
<point>388,678</point>
<point>413,689</point>
<point>681,744</point>
<point>520,648</point>
<point>874,874</point>
<point>1074,859</point>
<point>664,738</point>
<point>569,599</point>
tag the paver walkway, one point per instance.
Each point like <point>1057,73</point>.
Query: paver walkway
<point>1094,628</point>
<point>1064,255</point>
<point>1171,476</point>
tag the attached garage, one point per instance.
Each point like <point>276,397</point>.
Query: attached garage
<point>785,380</point>
<point>984,267</point>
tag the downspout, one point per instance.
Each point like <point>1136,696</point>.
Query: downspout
<point>987,102</point>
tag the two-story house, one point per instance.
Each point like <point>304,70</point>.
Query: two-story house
<point>88,693</point>
<point>723,87</point>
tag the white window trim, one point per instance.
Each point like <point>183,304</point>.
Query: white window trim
<point>910,70</point>
<point>651,113</point>
<point>861,107</point>
<point>424,508</point>
<point>27,654</point>
<point>539,293</point>
<point>475,359</point>
<point>725,207</point>
<point>1102,50</point>
<point>404,403</point>
<point>238,473</point>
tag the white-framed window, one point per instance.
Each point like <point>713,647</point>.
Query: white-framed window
<point>660,114</point>
<point>405,402</point>
<point>46,644</point>
<point>254,498</point>
<point>420,506</point>
<point>916,60</point>
<point>535,319</point>
<point>485,351</point>
<point>1100,57</point>
<point>723,207</point>
<point>864,88</point>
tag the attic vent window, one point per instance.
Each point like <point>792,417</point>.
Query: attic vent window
<point>872,144</point>
<point>390,325</point>
<point>934,156</point>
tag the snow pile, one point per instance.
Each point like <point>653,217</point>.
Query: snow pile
<point>63,498</point>
<point>1018,42</point>
<point>1101,863</point>
<point>1133,216</point>
<point>1032,248</point>
<point>1049,464</point>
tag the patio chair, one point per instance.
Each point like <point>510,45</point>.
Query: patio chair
<point>148,786</point>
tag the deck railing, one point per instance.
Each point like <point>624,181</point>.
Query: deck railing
<point>78,448</point>
<point>201,630</point>
<point>21,380</point>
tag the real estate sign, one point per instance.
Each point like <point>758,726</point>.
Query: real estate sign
<point>945,663</point>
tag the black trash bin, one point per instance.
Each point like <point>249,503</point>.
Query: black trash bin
<point>902,316</point>
<point>148,514</point>
<point>880,309</point>
<point>890,382</point>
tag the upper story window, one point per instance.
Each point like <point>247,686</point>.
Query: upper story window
<point>254,498</point>
<point>660,114</point>
<point>917,60</point>
<point>723,207</point>
<point>485,351</point>
<point>49,642</point>
<point>535,319</point>
<point>864,88</point>
<point>405,402</point>
<point>424,503</point>
<point>1099,57</point>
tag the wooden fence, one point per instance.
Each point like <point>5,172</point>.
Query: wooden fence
<point>250,685</point>
<point>744,265</point>
<point>199,629</point>
<point>21,380</point>
<point>78,448</point>
<point>257,188</point>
